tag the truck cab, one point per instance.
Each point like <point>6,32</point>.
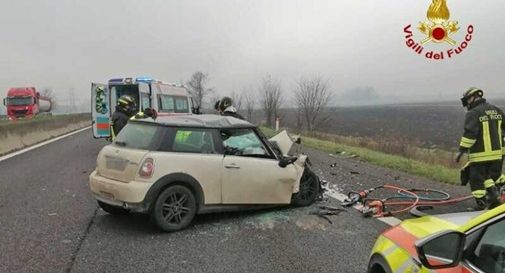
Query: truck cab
<point>166,98</point>
<point>25,102</point>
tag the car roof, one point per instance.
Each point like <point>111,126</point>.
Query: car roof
<point>200,121</point>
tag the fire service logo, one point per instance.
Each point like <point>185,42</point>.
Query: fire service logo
<point>438,30</point>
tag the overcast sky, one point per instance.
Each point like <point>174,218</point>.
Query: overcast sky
<point>354,44</point>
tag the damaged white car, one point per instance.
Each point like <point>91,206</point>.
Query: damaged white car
<point>176,167</point>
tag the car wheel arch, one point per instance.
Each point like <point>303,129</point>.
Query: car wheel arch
<point>378,264</point>
<point>182,179</point>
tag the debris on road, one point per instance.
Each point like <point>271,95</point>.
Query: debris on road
<point>325,218</point>
<point>355,172</point>
<point>325,211</point>
<point>343,155</point>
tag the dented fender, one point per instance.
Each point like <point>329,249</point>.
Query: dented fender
<point>300,168</point>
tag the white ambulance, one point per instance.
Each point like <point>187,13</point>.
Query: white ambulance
<point>166,98</point>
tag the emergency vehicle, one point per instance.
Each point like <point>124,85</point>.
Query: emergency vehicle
<point>165,98</point>
<point>458,242</point>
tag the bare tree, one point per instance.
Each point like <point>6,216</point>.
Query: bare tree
<point>214,99</point>
<point>312,96</point>
<point>237,99</point>
<point>249,103</point>
<point>270,98</point>
<point>197,87</point>
<point>299,121</point>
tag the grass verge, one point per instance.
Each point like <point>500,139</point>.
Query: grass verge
<point>431,171</point>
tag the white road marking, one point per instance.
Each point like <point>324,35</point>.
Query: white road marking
<point>391,221</point>
<point>5,157</point>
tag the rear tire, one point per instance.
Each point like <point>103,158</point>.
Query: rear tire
<point>309,189</point>
<point>112,209</point>
<point>174,209</point>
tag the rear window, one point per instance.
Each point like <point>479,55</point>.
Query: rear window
<point>138,136</point>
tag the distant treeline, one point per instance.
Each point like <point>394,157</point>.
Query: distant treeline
<point>423,125</point>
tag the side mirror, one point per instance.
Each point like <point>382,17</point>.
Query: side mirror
<point>5,102</point>
<point>196,110</point>
<point>441,250</point>
<point>287,160</point>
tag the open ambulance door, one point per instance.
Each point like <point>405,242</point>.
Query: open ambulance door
<point>100,110</point>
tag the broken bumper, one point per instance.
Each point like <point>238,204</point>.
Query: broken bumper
<point>127,195</point>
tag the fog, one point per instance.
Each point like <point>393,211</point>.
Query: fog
<point>354,44</point>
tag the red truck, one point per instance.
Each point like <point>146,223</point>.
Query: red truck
<point>26,102</point>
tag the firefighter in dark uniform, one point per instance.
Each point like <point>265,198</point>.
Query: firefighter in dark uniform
<point>483,142</point>
<point>125,109</point>
<point>225,108</point>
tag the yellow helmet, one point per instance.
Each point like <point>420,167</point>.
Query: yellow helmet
<point>472,91</point>
<point>127,103</point>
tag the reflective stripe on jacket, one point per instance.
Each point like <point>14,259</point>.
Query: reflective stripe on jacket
<point>483,136</point>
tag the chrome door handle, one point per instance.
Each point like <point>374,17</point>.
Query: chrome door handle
<point>232,166</point>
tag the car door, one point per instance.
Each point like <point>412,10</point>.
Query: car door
<point>100,110</point>
<point>251,173</point>
<point>197,153</point>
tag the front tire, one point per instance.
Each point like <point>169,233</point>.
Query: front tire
<point>174,209</point>
<point>309,189</point>
<point>112,209</point>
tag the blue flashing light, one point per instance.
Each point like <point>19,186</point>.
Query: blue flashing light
<point>144,79</point>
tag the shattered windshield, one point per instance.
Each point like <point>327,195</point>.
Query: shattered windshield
<point>243,142</point>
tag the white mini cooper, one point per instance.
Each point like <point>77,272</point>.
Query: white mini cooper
<point>176,167</point>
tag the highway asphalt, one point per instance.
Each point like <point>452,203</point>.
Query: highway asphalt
<point>49,222</point>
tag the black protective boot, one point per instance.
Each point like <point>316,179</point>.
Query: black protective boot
<point>480,204</point>
<point>493,197</point>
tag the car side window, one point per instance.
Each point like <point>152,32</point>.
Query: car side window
<point>243,142</point>
<point>488,254</point>
<point>194,141</point>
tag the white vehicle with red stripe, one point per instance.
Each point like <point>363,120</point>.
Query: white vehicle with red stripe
<point>166,98</point>
<point>458,242</point>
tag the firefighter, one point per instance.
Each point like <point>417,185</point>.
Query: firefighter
<point>148,113</point>
<point>125,109</point>
<point>482,141</point>
<point>225,108</point>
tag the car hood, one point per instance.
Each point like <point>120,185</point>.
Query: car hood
<point>427,225</point>
<point>285,142</point>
